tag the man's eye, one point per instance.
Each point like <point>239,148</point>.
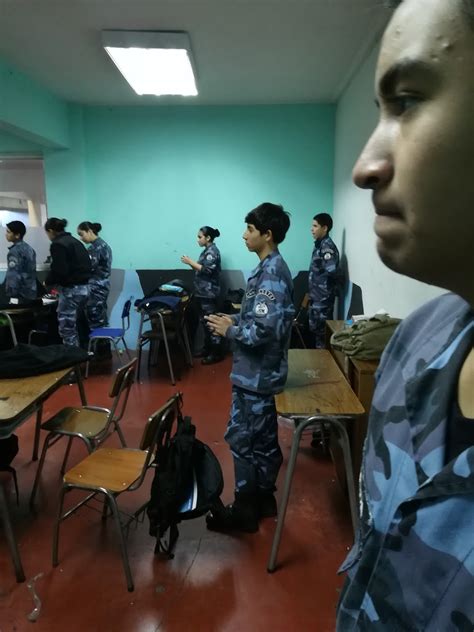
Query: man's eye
<point>401,103</point>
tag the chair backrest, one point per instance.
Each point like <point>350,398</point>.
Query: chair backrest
<point>120,389</point>
<point>157,432</point>
<point>126,314</point>
<point>160,423</point>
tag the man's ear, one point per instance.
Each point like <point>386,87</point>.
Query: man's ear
<point>268,235</point>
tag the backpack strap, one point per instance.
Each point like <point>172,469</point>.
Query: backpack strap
<point>167,547</point>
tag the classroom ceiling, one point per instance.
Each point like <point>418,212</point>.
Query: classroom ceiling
<point>246,51</point>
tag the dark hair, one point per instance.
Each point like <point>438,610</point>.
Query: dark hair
<point>467,7</point>
<point>268,216</point>
<point>324,219</point>
<point>17,228</point>
<point>208,231</point>
<point>93,226</point>
<point>55,224</point>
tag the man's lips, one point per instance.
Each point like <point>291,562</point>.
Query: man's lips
<point>387,210</point>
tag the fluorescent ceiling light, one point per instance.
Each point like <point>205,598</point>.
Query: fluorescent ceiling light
<point>153,62</point>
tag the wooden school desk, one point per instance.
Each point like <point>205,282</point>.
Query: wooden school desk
<point>316,391</point>
<point>22,397</point>
<point>19,399</point>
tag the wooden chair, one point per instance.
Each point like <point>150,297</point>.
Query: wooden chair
<point>91,424</point>
<point>111,472</point>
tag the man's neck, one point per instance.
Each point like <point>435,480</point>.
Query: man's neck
<point>267,250</point>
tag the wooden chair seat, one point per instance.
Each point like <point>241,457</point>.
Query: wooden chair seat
<point>112,469</point>
<point>87,421</point>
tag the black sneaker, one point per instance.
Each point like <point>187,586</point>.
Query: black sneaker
<point>212,359</point>
<point>239,516</point>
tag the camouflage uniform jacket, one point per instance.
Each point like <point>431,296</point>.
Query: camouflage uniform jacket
<point>412,566</point>
<point>20,279</point>
<point>261,332</point>
<point>100,254</point>
<point>322,270</point>
<point>206,280</point>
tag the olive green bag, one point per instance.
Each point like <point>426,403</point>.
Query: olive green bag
<point>365,339</point>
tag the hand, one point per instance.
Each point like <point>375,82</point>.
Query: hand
<point>185,259</point>
<point>219,323</point>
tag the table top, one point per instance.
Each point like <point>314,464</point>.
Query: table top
<point>316,386</point>
<point>18,395</point>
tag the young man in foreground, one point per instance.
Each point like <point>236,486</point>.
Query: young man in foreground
<point>412,567</point>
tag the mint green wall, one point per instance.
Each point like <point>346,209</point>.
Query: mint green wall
<point>30,111</point>
<point>155,175</point>
<point>65,174</point>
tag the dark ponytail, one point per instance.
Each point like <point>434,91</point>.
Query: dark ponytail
<point>55,224</point>
<point>208,231</point>
<point>95,227</point>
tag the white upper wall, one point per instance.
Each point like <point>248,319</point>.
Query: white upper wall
<point>353,212</point>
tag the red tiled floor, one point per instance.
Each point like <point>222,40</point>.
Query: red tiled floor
<point>215,583</point>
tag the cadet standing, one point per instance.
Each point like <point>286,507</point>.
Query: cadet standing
<point>322,278</point>
<point>261,335</point>
<point>20,279</point>
<point>100,254</point>
<point>70,272</point>
<point>207,289</point>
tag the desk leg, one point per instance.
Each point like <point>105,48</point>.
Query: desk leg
<point>11,540</point>
<point>80,385</point>
<point>39,417</point>
<point>346,451</point>
<point>286,490</point>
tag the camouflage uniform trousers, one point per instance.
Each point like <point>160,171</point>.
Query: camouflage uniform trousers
<point>96,308</point>
<point>208,306</point>
<point>71,300</point>
<point>252,435</point>
<point>318,314</point>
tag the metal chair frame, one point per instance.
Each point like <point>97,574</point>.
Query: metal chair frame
<point>94,338</point>
<point>120,391</point>
<point>11,326</point>
<point>157,431</point>
<point>180,331</point>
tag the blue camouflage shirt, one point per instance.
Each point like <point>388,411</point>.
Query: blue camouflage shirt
<point>206,280</point>
<point>412,566</point>
<point>100,254</point>
<point>261,332</point>
<point>322,270</point>
<point>20,279</point>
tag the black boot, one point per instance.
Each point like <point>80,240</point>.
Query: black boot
<point>267,504</point>
<point>215,355</point>
<point>241,515</point>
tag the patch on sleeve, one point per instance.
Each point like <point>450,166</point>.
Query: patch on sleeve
<point>209,257</point>
<point>327,256</point>
<point>12,263</point>
<point>261,309</point>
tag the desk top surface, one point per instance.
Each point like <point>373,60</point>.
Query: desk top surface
<point>19,394</point>
<point>316,385</point>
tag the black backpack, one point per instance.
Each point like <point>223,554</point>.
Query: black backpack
<point>188,482</point>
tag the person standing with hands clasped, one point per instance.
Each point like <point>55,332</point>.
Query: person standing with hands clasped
<point>207,289</point>
<point>261,336</point>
